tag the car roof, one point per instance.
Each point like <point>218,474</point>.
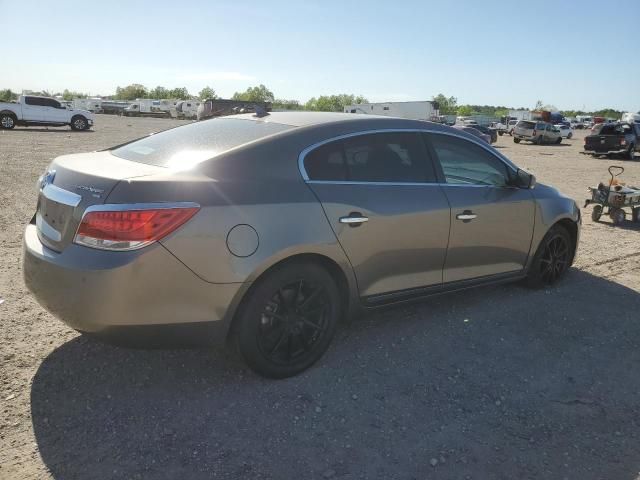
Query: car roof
<point>305,119</point>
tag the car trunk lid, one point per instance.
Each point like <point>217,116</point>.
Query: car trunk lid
<point>73,183</point>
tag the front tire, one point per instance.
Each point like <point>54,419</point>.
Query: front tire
<point>596,213</point>
<point>516,140</point>
<point>288,320</point>
<point>79,123</point>
<point>552,259</point>
<point>7,121</point>
<point>632,152</point>
<point>569,135</point>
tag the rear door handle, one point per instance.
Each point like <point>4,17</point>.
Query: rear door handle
<point>354,219</point>
<point>466,216</point>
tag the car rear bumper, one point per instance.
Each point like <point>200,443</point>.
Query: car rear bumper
<point>138,297</point>
<point>595,151</point>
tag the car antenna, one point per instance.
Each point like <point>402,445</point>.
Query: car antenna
<point>260,111</point>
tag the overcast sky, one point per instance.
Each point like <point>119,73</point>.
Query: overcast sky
<point>572,54</point>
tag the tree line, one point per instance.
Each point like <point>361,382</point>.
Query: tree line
<point>323,103</point>
<point>449,106</point>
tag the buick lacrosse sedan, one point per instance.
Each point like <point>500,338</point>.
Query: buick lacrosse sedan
<point>266,230</point>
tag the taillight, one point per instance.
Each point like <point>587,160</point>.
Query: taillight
<point>115,227</point>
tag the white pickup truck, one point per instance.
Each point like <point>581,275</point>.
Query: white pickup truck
<point>42,111</point>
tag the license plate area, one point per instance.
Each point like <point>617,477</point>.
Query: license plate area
<point>54,215</point>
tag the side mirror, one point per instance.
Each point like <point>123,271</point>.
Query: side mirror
<point>524,179</point>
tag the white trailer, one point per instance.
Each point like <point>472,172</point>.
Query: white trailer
<point>147,107</point>
<point>420,110</point>
<point>186,109</point>
<point>520,115</point>
<point>91,104</point>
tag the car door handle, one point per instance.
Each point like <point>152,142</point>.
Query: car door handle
<point>466,216</point>
<point>354,219</point>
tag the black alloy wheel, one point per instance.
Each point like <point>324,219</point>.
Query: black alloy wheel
<point>288,320</point>
<point>555,259</point>
<point>293,321</point>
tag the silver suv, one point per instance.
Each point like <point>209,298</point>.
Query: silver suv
<point>268,229</point>
<point>536,132</point>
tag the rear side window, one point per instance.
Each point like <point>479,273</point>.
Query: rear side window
<point>465,163</point>
<point>187,146</point>
<point>525,124</point>
<point>394,157</point>
<point>326,163</point>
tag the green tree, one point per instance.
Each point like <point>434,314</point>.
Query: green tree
<point>333,103</point>
<point>463,110</point>
<point>131,92</point>
<point>281,104</point>
<point>446,105</point>
<point>179,94</point>
<point>7,95</point>
<point>255,94</point>
<point>539,105</point>
<point>70,95</point>
<point>207,92</point>
<point>159,93</point>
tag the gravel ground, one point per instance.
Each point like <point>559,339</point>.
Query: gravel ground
<point>498,382</point>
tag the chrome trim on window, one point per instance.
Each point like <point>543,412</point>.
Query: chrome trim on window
<point>471,139</point>
<point>59,195</point>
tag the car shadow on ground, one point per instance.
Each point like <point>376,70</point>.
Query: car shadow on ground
<point>50,130</point>
<point>498,382</point>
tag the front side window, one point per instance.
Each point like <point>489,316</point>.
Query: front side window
<point>465,163</point>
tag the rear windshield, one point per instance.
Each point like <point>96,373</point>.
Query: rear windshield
<point>608,129</point>
<point>525,124</point>
<point>187,146</point>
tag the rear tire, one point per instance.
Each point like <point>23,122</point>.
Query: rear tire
<point>632,152</point>
<point>7,121</point>
<point>618,216</point>
<point>635,214</point>
<point>288,320</point>
<point>516,140</point>
<point>79,123</point>
<point>500,133</point>
<point>596,213</point>
<point>559,141</point>
<point>552,259</point>
<point>569,135</point>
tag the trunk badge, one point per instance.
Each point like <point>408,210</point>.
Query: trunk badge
<point>95,192</point>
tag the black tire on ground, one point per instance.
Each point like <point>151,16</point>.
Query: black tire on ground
<point>500,133</point>
<point>516,140</point>
<point>79,123</point>
<point>552,258</point>
<point>596,213</point>
<point>559,141</point>
<point>618,216</point>
<point>632,152</point>
<point>7,121</point>
<point>635,214</point>
<point>569,135</point>
<point>288,320</point>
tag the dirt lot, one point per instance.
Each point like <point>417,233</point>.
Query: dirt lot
<point>499,382</point>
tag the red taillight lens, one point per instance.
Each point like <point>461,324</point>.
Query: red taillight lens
<point>128,229</point>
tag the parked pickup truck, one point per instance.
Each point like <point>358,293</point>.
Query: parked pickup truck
<point>42,111</point>
<point>614,139</point>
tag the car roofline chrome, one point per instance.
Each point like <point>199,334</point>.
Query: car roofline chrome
<point>471,139</point>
